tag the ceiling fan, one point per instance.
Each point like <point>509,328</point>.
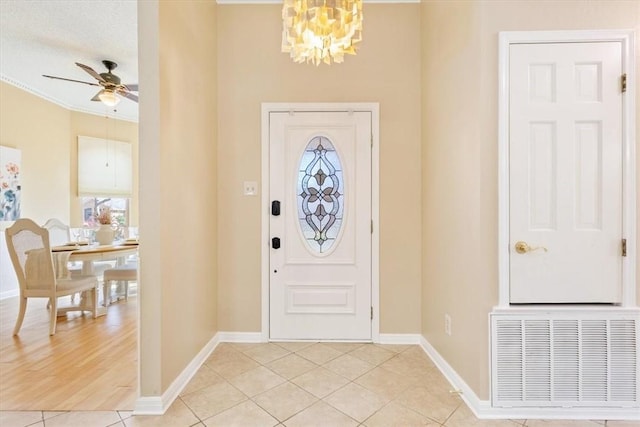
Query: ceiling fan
<point>111,85</point>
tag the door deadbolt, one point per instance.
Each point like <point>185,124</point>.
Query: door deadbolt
<point>275,243</point>
<point>275,208</point>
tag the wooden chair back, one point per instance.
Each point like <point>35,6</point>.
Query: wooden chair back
<point>59,232</point>
<point>30,254</point>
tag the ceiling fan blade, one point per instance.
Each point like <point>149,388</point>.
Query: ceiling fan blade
<point>91,71</point>
<point>128,95</point>
<point>70,80</point>
<point>133,87</point>
<point>96,97</point>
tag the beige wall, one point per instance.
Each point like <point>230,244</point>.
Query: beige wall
<point>178,187</point>
<point>41,130</point>
<point>460,153</point>
<point>252,70</point>
<point>34,126</point>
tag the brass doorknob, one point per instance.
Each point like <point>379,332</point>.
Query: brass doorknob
<point>522,247</point>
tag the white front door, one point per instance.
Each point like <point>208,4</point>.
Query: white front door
<point>565,172</point>
<point>320,225</point>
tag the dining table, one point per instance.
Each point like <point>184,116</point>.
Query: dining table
<point>88,254</point>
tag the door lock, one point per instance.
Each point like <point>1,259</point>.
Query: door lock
<point>522,247</point>
<point>275,208</point>
<point>275,243</point>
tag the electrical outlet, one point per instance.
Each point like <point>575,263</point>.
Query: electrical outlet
<point>447,324</point>
<point>250,188</point>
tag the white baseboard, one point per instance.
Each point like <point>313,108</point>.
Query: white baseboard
<point>9,294</point>
<point>248,337</point>
<point>467,394</point>
<point>157,405</point>
<point>610,414</point>
<point>399,339</point>
<point>255,337</point>
<point>482,408</point>
<point>149,406</point>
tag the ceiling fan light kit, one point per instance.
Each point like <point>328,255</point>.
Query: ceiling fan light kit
<point>321,30</point>
<point>108,98</point>
<point>111,85</point>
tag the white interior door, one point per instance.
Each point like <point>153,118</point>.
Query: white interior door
<point>320,256</point>
<point>565,177</point>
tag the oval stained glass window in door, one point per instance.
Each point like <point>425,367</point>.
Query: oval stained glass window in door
<point>320,188</point>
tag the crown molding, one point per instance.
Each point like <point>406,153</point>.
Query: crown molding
<point>62,104</point>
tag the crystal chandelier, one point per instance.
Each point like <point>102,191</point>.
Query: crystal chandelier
<point>320,30</point>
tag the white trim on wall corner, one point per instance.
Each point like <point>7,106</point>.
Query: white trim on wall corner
<point>149,406</point>
<point>158,405</point>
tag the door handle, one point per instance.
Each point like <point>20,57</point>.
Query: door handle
<point>522,247</point>
<point>275,243</point>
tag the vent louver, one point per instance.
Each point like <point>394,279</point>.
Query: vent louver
<point>565,361</point>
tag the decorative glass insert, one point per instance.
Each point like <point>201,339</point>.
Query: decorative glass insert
<point>320,194</point>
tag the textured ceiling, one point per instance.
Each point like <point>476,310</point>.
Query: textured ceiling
<point>49,36</point>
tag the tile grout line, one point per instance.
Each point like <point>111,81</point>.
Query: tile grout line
<point>399,370</point>
<point>289,380</point>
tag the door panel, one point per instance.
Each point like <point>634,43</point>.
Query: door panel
<point>320,277</point>
<point>565,172</point>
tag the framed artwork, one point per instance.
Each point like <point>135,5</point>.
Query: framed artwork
<point>10,190</point>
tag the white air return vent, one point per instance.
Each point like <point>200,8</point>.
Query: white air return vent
<point>549,360</point>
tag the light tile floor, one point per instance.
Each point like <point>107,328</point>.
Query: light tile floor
<point>305,384</point>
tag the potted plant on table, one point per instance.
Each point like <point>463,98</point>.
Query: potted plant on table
<point>105,234</point>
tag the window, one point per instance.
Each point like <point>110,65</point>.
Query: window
<point>119,209</point>
<point>320,191</point>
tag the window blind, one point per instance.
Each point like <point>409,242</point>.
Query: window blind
<point>104,167</point>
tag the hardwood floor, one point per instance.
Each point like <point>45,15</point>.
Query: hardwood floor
<point>89,364</point>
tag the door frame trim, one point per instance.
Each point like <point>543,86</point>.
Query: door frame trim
<point>627,38</point>
<point>373,108</point>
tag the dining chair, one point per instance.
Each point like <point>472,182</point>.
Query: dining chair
<point>123,273</point>
<point>60,234</point>
<point>30,253</point>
